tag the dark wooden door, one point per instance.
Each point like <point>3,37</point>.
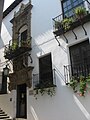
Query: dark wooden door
<point>21,101</point>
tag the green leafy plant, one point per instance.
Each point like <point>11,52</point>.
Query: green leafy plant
<point>57,25</point>
<point>66,23</point>
<point>73,83</point>
<point>82,85</point>
<point>42,89</point>
<point>88,78</point>
<point>80,12</point>
<point>14,46</point>
<point>25,43</point>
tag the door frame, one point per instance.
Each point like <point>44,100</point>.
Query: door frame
<point>21,90</point>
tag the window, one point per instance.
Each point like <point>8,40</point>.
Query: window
<point>80,58</point>
<point>24,35</point>
<point>45,70</point>
<point>69,5</point>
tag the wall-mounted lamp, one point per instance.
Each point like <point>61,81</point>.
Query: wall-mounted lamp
<point>6,71</point>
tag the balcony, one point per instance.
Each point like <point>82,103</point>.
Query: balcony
<point>15,49</point>
<point>78,77</point>
<point>46,80</point>
<point>63,24</point>
<point>44,83</point>
<point>76,71</point>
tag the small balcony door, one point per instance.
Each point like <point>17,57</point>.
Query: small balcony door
<point>22,37</point>
<point>80,58</point>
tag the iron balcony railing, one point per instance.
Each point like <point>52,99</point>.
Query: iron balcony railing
<point>45,80</point>
<point>59,27</point>
<point>15,48</point>
<point>76,71</point>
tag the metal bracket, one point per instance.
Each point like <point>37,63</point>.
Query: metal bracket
<point>74,34</point>
<point>65,38</point>
<point>57,41</point>
<point>84,29</point>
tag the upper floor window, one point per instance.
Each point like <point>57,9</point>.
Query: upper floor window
<point>23,34</point>
<point>68,6</point>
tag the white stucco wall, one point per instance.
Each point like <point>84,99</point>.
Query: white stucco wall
<point>65,105</point>
<point>7,103</point>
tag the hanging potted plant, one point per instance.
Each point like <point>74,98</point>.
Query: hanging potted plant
<point>80,12</point>
<point>58,25</point>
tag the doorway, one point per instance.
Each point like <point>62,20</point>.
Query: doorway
<point>21,111</point>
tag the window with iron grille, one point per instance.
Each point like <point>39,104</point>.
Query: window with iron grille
<point>80,58</point>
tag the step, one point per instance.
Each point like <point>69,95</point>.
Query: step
<point>2,112</point>
<point>7,119</point>
<point>4,117</point>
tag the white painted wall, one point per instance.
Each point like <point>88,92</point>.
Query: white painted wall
<point>65,105</point>
<point>7,103</point>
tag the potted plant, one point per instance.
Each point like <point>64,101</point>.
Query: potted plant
<point>73,83</point>
<point>82,85</point>
<point>14,46</point>
<point>80,12</point>
<point>42,89</point>
<point>57,25</point>
<point>25,43</point>
<point>66,23</point>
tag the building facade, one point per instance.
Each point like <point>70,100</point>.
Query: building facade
<point>48,58</point>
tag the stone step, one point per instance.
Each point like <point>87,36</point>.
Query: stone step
<point>3,117</point>
<point>3,114</point>
<point>6,119</point>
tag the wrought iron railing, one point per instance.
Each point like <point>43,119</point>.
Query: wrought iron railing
<point>19,46</point>
<point>58,27</point>
<point>76,71</point>
<point>48,79</point>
